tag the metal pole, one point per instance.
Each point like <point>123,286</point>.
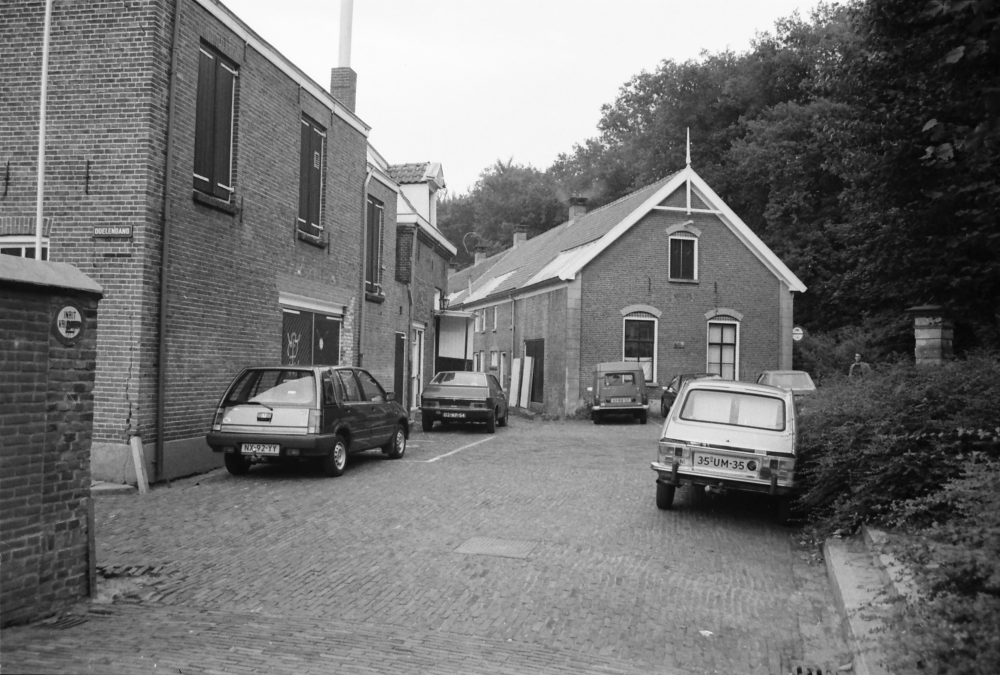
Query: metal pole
<point>39,210</point>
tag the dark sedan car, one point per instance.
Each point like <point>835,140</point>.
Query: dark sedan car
<point>457,396</point>
<point>306,412</point>
<point>672,389</point>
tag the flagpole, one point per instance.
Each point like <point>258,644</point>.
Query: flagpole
<point>41,132</point>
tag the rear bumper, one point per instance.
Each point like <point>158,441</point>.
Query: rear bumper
<point>311,445</point>
<point>672,474</point>
<point>450,414</point>
<point>622,408</point>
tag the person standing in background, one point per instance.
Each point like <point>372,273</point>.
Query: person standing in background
<point>859,368</point>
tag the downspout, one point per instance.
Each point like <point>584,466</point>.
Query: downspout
<point>414,368</point>
<point>167,185</point>
<point>364,266</point>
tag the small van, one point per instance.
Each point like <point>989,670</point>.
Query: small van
<point>619,389</point>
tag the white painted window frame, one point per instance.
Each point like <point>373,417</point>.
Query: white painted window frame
<point>708,329</point>
<point>656,339</point>
<point>670,244</point>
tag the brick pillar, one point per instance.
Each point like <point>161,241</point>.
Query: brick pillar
<point>933,331</point>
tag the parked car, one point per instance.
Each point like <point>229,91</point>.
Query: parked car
<point>724,435</point>
<point>671,390</point>
<point>619,389</point>
<point>281,413</point>
<point>797,381</point>
<point>461,396</point>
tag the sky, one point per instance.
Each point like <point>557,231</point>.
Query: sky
<point>469,82</point>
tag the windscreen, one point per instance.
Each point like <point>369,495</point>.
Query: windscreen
<point>615,379</point>
<point>274,387</point>
<point>735,408</point>
<point>793,381</point>
<point>460,379</point>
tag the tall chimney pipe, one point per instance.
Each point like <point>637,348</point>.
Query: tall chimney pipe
<point>346,21</point>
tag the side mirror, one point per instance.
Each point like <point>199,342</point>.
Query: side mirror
<point>390,396</point>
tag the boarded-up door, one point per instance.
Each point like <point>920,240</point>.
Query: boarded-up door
<point>397,379</point>
<point>536,350</point>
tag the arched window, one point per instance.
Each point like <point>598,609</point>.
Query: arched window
<point>724,346</point>
<point>639,333</point>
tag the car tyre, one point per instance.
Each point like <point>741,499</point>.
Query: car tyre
<point>665,496</point>
<point>334,463</point>
<point>642,417</point>
<point>426,423</point>
<point>596,417</point>
<point>783,510</point>
<point>491,422</point>
<point>502,421</point>
<point>664,409</point>
<point>236,464</point>
<point>397,444</point>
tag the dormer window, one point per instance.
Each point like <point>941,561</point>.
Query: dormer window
<point>682,241</point>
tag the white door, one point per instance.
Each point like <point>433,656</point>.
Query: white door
<point>417,366</point>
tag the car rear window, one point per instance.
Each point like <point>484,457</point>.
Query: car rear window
<point>735,408</point>
<point>793,381</point>
<point>615,379</point>
<point>462,379</point>
<point>274,387</point>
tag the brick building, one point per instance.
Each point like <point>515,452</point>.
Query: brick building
<point>667,276</point>
<point>48,351</point>
<point>221,198</point>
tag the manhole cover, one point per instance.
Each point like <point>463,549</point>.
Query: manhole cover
<point>507,548</point>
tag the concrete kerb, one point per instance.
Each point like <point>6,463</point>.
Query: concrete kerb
<point>865,582</point>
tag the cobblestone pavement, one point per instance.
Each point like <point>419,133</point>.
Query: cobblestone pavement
<point>536,550</point>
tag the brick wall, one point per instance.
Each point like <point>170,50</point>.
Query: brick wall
<point>634,271</point>
<point>46,413</point>
<point>430,273</point>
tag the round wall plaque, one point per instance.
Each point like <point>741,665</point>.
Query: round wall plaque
<point>68,324</point>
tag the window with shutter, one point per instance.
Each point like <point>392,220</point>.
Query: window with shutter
<point>683,258</point>
<point>311,177</point>
<point>214,123</point>
<point>373,243</point>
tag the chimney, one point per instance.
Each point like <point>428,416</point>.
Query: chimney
<point>577,207</point>
<point>480,254</point>
<point>520,235</point>
<point>343,79</point>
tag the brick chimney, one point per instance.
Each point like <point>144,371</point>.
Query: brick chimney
<point>577,207</point>
<point>480,254</point>
<point>520,235</point>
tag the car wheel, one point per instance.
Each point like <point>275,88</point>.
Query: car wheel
<point>491,422</point>
<point>426,423</point>
<point>642,417</point>
<point>237,464</point>
<point>664,410</point>
<point>665,496</point>
<point>334,463</point>
<point>397,444</point>
<point>502,421</point>
<point>783,510</point>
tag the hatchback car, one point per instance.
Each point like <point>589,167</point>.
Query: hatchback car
<point>797,381</point>
<point>306,413</point>
<point>671,390</point>
<point>460,396</point>
<point>724,435</point>
<point>619,389</point>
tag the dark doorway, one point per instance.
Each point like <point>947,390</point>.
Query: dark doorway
<point>536,350</point>
<point>397,380</point>
<point>326,346</point>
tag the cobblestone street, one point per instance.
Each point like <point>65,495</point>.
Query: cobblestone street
<point>536,550</point>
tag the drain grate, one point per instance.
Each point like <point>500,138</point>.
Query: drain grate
<point>505,548</point>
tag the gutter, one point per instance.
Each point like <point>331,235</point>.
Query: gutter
<point>161,385</point>
<point>364,265</point>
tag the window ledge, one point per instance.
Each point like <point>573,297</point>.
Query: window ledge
<point>312,239</point>
<point>684,281</point>
<point>215,203</point>
<point>374,297</point>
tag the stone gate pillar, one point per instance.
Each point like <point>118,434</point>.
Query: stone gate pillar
<point>933,331</point>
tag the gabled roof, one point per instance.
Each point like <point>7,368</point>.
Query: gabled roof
<point>419,172</point>
<point>560,253</point>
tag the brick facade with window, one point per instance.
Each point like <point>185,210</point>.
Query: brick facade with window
<point>250,236</point>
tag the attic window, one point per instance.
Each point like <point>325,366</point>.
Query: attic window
<point>683,257</point>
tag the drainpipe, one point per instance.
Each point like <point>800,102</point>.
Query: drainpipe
<point>167,185</point>
<point>364,265</point>
<point>414,367</point>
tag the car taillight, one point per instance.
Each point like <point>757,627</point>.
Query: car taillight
<point>672,452</point>
<point>217,422</point>
<point>645,399</point>
<point>784,469</point>
<point>315,416</point>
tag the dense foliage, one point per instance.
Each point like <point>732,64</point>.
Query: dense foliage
<point>917,450</point>
<point>861,145</point>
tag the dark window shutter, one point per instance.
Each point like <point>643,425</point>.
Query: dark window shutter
<point>224,87</point>
<point>675,259</point>
<point>204,133</point>
<point>315,177</point>
<point>304,176</point>
<point>687,258</point>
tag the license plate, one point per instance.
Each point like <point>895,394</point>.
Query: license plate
<point>453,415</point>
<point>261,449</point>
<point>621,400</point>
<point>722,463</point>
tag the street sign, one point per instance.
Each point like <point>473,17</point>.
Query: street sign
<point>797,333</point>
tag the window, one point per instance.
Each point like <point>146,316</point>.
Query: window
<point>494,360</point>
<point>309,339</point>
<point>370,387</point>
<point>742,410</point>
<point>503,366</point>
<point>475,362</point>
<point>482,360</point>
<point>460,379</point>
<point>214,122</point>
<point>373,255</point>
<point>437,299</point>
<point>683,258</point>
<point>23,247</point>
<point>639,342</point>
<point>723,352</point>
<point>311,177</point>
<point>351,391</point>
<point>494,317</point>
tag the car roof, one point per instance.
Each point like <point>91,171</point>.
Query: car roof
<point>289,366</point>
<point>618,365</point>
<point>784,372</point>
<point>747,387</point>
